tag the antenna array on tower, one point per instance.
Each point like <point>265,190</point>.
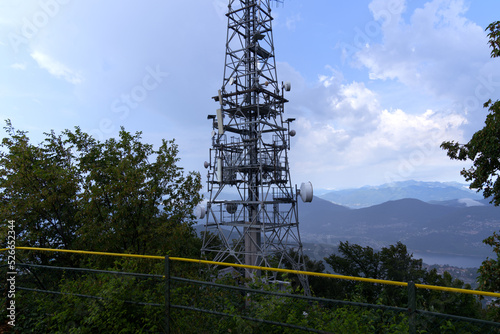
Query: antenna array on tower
<point>251,214</point>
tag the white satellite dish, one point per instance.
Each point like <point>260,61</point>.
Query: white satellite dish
<point>232,80</point>
<point>200,211</point>
<point>206,164</point>
<point>287,86</point>
<point>306,192</point>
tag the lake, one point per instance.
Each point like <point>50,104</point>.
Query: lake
<point>452,260</point>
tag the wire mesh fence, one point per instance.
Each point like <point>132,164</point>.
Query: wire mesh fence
<point>86,300</point>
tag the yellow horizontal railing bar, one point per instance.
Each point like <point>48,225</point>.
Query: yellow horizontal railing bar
<point>91,253</point>
<point>470,292</point>
<point>297,272</point>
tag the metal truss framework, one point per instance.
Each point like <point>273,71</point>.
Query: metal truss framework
<point>252,215</point>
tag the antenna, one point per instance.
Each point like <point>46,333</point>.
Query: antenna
<point>277,2</point>
<point>252,206</point>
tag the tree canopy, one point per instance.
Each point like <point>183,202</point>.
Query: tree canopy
<point>72,191</point>
<point>494,38</point>
<point>394,263</point>
<point>482,149</point>
<point>391,263</point>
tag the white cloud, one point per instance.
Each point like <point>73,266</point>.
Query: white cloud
<point>401,131</point>
<point>403,146</point>
<point>439,49</point>
<point>344,130</point>
<point>18,66</point>
<point>355,98</point>
<point>396,134</point>
<point>56,68</point>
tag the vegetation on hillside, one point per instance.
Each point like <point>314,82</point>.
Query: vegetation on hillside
<point>74,192</point>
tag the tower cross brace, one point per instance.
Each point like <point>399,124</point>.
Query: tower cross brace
<point>252,213</point>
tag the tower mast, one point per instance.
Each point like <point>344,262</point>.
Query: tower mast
<point>252,215</point>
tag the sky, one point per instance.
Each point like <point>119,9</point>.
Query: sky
<point>377,85</point>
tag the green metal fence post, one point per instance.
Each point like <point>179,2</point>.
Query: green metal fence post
<point>412,306</point>
<point>167,295</point>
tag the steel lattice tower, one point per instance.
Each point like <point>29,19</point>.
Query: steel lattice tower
<point>252,215</point>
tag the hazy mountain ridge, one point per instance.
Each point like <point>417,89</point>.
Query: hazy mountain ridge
<point>423,227</point>
<point>448,226</point>
<point>424,191</point>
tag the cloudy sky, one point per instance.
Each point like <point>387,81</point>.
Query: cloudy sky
<point>376,85</point>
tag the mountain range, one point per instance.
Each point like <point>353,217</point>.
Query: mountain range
<point>434,220</point>
<point>453,221</point>
<point>424,191</point>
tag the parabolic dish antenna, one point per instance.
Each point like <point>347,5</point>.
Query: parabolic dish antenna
<point>306,192</point>
<point>200,211</point>
<point>287,86</point>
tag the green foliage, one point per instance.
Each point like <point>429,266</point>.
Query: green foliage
<point>114,312</point>
<point>490,268</point>
<point>133,205</point>
<point>494,38</point>
<point>75,192</point>
<point>460,304</point>
<point>39,188</point>
<point>278,308</point>
<point>489,276</point>
<point>320,286</point>
<point>392,263</point>
<point>483,151</point>
<point>94,302</point>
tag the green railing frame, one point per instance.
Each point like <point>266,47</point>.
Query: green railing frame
<point>411,310</point>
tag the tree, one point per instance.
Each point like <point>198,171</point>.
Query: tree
<point>357,261</point>
<point>489,275</point>
<point>494,38</point>
<point>460,304</point>
<point>394,263</point>
<point>390,263</point>
<point>129,203</point>
<point>39,188</point>
<point>399,265</point>
<point>483,151</point>
<point>72,191</point>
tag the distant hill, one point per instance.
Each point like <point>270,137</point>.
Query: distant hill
<point>424,191</point>
<point>423,227</point>
<point>435,219</point>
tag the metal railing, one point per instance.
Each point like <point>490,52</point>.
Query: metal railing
<point>226,304</point>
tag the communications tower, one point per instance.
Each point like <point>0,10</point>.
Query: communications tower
<point>251,212</point>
